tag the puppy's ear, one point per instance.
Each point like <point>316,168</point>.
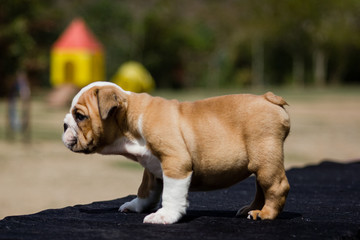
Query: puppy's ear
<point>108,101</point>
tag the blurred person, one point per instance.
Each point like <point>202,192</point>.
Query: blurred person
<point>19,120</point>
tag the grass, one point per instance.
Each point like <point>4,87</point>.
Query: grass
<point>131,165</point>
<point>46,123</point>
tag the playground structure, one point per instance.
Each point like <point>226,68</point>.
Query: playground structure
<point>77,59</point>
<point>133,76</point>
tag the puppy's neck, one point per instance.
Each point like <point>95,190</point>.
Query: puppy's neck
<point>129,140</point>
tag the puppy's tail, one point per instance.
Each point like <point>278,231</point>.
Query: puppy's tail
<point>285,120</point>
<point>275,99</point>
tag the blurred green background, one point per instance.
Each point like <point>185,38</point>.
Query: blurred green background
<point>187,44</point>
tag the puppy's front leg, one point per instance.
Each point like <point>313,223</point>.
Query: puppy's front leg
<point>174,201</point>
<point>148,196</point>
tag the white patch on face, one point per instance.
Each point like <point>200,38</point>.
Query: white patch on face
<point>174,201</point>
<point>94,84</point>
<point>137,150</point>
<point>69,136</point>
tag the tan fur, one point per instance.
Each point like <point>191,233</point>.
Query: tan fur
<point>220,140</point>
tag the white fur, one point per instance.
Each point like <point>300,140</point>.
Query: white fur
<point>136,205</point>
<point>140,123</point>
<point>137,150</point>
<point>94,84</point>
<point>142,204</point>
<point>70,135</point>
<point>174,201</point>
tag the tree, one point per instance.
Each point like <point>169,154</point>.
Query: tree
<point>26,30</point>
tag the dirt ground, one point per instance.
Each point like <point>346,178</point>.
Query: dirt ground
<point>44,174</point>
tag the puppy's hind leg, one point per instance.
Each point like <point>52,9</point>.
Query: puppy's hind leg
<point>275,192</point>
<point>148,196</point>
<point>257,203</point>
<point>268,166</point>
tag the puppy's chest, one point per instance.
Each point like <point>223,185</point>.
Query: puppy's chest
<point>136,150</point>
<point>152,164</point>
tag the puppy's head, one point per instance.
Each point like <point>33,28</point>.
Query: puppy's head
<point>95,115</point>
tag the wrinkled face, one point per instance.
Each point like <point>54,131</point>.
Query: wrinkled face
<point>91,121</point>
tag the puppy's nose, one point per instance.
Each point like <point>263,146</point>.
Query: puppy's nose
<point>65,127</point>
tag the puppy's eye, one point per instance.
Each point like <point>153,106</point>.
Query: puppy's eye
<point>80,117</point>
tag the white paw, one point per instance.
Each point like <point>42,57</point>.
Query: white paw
<point>132,206</point>
<point>163,216</point>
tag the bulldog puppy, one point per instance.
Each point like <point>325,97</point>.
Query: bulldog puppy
<point>202,145</point>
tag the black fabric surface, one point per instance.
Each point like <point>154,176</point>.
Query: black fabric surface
<point>323,203</point>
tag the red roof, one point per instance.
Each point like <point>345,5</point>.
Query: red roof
<point>78,36</point>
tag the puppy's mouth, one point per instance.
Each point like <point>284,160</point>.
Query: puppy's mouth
<point>73,147</point>
<point>71,144</point>
<point>86,151</point>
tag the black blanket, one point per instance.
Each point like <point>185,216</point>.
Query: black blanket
<point>323,203</point>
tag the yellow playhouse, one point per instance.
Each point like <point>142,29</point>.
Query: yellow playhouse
<point>77,57</point>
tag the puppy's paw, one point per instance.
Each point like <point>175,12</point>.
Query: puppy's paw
<point>244,211</point>
<point>254,215</point>
<point>133,206</point>
<point>260,215</point>
<point>163,216</point>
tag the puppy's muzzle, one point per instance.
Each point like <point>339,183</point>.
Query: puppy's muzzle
<point>70,144</point>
